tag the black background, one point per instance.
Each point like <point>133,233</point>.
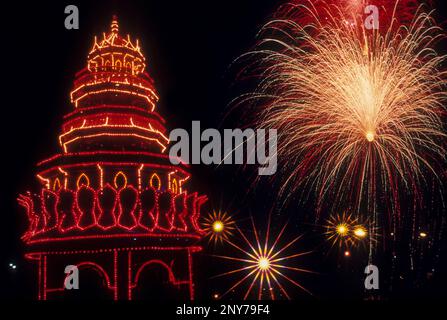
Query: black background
<point>189,46</point>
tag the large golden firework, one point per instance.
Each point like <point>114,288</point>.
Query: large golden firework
<point>265,266</point>
<point>219,226</point>
<point>358,112</point>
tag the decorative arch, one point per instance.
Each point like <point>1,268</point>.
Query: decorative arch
<point>100,270</point>
<point>83,180</point>
<point>116,181</point>
<point>159,262</point>
<point>174,186</point>
<point>56,184</point>
<point>155,181</point>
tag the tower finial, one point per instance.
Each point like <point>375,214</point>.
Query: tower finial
<point>114,26</point>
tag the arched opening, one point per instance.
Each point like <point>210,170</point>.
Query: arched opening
<point>56,184</point>
<point>174,186</point>
<point>120,180</point>
<point>155,181</point>
<point>83,180</point>
<point>94,284</point>
<point>155,280</point>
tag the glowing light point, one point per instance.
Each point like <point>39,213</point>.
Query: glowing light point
<point>347,253</point>
<point>218,226</point>
<point>370,136</point>
<point>264,263</point>
<point>360,232</point>
<point>423,234</point>
<point>342,229</point>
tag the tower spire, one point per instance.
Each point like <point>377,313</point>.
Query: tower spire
<point>114,26</point>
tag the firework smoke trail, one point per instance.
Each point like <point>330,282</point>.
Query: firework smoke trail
<point>358,111</point>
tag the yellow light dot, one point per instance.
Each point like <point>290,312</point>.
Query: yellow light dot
<point>423,234</point>
<point>347,253</point>
<point>264,263</point>
<point>370,136</point>
<point>342,229</point>
<point>360,232</point>
<point>218,226</point>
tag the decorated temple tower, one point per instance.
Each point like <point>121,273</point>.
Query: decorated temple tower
<point>111,200</point>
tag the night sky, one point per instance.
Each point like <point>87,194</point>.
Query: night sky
<point>189,48</point>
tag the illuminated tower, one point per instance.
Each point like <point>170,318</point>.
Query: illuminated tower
<point>112,201</point>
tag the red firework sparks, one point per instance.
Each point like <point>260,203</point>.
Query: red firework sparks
<point>401,11</point>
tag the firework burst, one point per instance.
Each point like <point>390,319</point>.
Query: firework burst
<point>339,230</point>
<point>219,226</point>
<point>264,265</point>
<point>358,113</point>
<point>354,10</point>
<point>345,231</point>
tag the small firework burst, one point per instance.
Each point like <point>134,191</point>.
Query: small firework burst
<point>339,229</point>
<point>219,226</point>
<point>360,232</point>
<point>265,266</point>
<point>346,231</point>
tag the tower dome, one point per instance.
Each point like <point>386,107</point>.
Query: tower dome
<point>113,52</point>
<point>115,65</point>
<point>114,97</point>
